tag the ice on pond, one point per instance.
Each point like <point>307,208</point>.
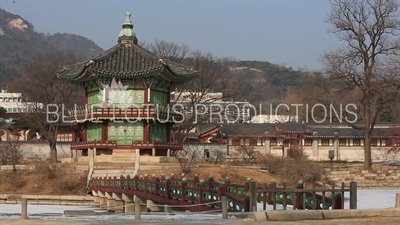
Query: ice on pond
<point>366,199</point>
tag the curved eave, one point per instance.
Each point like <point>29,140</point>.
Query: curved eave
<point>178,78</point>
<point>86,75</point>
<point>73,74</point>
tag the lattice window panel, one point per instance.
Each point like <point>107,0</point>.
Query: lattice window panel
<point>94,132</point>
<point>125,133</point>
<point>158,132</point>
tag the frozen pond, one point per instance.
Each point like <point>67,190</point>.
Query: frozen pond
<point>366,199</point>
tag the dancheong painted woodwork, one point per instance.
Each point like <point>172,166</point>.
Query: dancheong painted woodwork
<point>127,94</point>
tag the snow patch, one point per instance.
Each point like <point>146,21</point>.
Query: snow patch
<point>245,68</point>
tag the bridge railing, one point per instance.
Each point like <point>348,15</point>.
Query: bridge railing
<point>312,198</point>
<point>196,191</point>
<point>240,198</point>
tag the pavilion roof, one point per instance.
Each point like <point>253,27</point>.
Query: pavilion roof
<point>127,60</point>
<point>309,130</point>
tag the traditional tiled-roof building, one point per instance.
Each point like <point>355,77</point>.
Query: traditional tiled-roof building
<point>128,92</point>
<point>317,140</point>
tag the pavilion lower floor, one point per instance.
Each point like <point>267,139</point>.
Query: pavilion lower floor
<point>112,152</point>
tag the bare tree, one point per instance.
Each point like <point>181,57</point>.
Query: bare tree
<point>395,148</point>
<point>46,94</point>
<point>10,152</point>
<point>369,61</point>
<point>214,77</point>
<point>188,157</point>
<point>247,154</point>
<point>219,156</point>
<point>169,50</point>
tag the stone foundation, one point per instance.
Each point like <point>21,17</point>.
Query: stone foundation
<point>381,175</point>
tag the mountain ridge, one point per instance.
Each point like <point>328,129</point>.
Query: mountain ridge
<point>19,41</point>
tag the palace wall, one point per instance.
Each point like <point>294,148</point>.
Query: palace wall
<point>346,153</point>
<point>42,150</point>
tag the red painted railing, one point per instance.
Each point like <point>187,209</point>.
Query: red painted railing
<point>134,144</point>
<point>145,112</point>
<point>207,193</point>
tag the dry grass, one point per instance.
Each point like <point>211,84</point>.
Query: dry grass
<point>44,179</point>
<point>31,182</point>
<point>59,182</point>
<point>236,175</point>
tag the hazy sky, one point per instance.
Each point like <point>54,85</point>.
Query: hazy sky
<point>290,33</point>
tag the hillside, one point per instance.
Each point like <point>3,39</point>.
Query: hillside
<point>19,41</point>
<point>268,81</point>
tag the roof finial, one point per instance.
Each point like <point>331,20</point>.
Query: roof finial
<point>127,32</point>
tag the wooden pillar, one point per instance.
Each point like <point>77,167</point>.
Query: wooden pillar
<point>86,98</point>
<point>104,130</point>
<point>146,131</point>
<point>146,95</point>
<point>153,152</point>
<point>169,153</point>
<point>84,136</point>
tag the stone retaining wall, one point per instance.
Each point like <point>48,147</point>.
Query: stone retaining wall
<point>381,175</point>
<point>296,215</point>
<point>48,199</point>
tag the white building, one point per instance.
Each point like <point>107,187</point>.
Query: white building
<point>274,119</point>
<point>13,103</point>
<point>213,107</point>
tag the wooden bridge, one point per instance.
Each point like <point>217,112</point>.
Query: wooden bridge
<point>196,195</point>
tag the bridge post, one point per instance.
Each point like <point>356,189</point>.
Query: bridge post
<point>247,206</point>
<point>397,204</point>
<point>129,207</point>
<point>137,208</point>
<point>271,186</point>
<point>118,203</point>
<point>353,195</point>
<point>224,207</point>
<point>222,190</point>
<point>143,207</point>
<point>183,186</point>
<point>24,209</point>
<point>102,199</point>
<point>299,204</point>
<point>110,201</point>
<point>96,197</point>
<point>253,196</point>
<point>201,190</point>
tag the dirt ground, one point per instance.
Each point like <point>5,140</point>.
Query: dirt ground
<point>236,175</point>
<point>60,182</point>
<point>42,183</point>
